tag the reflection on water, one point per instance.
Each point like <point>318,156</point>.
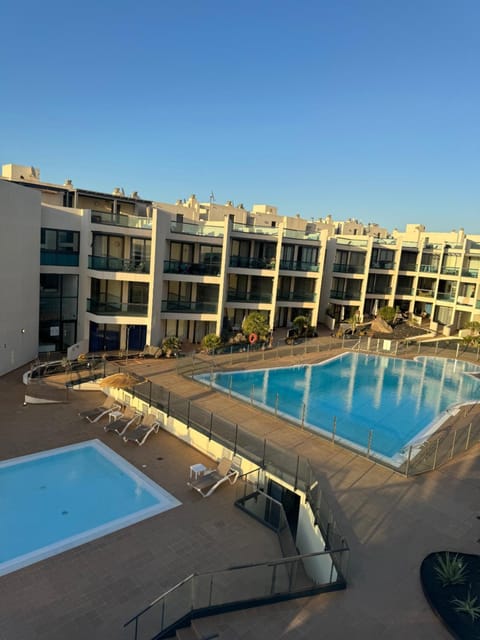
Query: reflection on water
<point>388,401</point>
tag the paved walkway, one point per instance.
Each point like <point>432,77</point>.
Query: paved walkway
<point>391,523</point>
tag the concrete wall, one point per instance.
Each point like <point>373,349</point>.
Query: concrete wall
<point>20,213</point>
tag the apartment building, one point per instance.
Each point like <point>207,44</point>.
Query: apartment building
<point>432,277</point>
<point>109,271</point>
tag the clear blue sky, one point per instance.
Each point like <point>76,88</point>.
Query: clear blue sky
<point>359,108</point>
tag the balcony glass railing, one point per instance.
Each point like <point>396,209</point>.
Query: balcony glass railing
<point>193,229</point>
<point>428,268</point>
<point>407,266</point>
<point>296,265</point>
<point>405,291</point>
<point>450,271</point>
<point>445,297</point>
<point>296,297</point>
<point>251,263</point>
<point>425,293</point>
<point>188,306</point>
<point>385,241</point>
<point>121,220</point>
<point>382,291</point>
<point>191,268</point>
<point>470,273</point>
<point>58,258</point>
<point>301,235</point>
<point>111,263</point>
<point>114,308</point>
<point>352,243</point>
<point>382,264</point>
<point>249,296</point>
<point>348,268</point>
<point>248,228</point>
<point>344,295</point>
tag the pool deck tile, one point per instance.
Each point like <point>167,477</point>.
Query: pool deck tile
<point>390,522</point>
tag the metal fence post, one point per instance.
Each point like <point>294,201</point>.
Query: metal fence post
<point>370,438</point>
<point>235,443</point>
<point>303,415</point>
<point>276,404</point>
<point>467,443</point>
<point>168,404</point>
<point>453,444</point>
<point>334,428</point>
<point>407,468</point>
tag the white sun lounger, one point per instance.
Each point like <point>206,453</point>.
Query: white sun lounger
<point>211,479</point>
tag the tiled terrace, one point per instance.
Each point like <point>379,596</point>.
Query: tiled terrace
<point>390,523</point>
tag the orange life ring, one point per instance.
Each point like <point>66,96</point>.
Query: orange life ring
<point>252,338</point>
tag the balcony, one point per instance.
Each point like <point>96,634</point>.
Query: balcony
<point>296,297</point>
<point>295,265</point>
<point>344,295</point>
<point>381,291</point>
<point>407,266</point>
<point>111,263</point>
<point>58,258</point>
<point>188,306</point>
<point>348,268</point>
<point>251,263</point>
<point>382,264</point>
<point>114,308</point>
<point>247,228</point>
<point>248,296</point>
<point>450,271</point>
<point>445,297</point>
<point>120,220</point>
<point>191,268</point>
<point>428,268</point>
<point>193,229</point>
<point>301,235</point>
<point>470,273</point>
<point>405,291</point>
<point>425,293</point>
<point>352,243</point>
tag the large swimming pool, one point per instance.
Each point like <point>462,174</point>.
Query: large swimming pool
<point>371,401</point>
<point>58,499</point>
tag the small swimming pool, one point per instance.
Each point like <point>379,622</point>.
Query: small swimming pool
<point>372,402</point>
<point>59,499</point>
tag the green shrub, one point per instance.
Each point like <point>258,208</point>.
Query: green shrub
<point>211,342</point>
<point>450,569</point>
<point>467,605</point>
<point>256,322</point>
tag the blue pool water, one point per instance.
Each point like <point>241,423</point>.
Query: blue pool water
<point>55,500</point>
<point>387,402</point>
